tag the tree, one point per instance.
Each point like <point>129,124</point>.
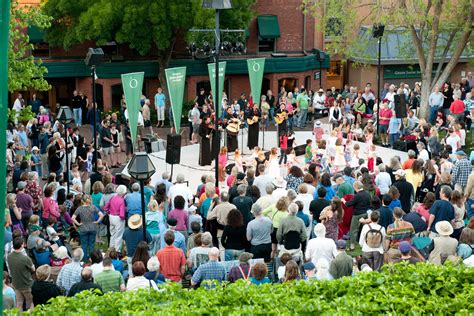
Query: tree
<point>24,71</point>
<point>147,26</point>
<point>439,31</point>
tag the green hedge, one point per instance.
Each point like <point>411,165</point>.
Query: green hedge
<point>401,289</point>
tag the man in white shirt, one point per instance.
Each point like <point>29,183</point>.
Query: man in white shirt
<point>195,121</point>
<point>320,247</point>
<point>180,188</point>
<point>422,152</point>
<point>18,105</point>
<point>383,180</point>
<point>266,201</point>
<point>371,240</point>
<point>435,101</point>
<point>319,100</point>
<point>262,180</point>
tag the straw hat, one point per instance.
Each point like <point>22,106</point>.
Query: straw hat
<point>444,228</point>
<point>135,221</point>
<point>279,182</point>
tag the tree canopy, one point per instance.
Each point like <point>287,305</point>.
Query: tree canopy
<point>439,31</point>
<point>24,71</point>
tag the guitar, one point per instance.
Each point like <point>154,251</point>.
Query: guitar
<point>281,117</point>
<point>251,121</point>
<point>233,126</point>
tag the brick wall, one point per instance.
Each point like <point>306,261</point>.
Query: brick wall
<point>290,18</point>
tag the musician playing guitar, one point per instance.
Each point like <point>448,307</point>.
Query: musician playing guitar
<point>281,118</point>
<point>253,116</point>
<point>232,125</point>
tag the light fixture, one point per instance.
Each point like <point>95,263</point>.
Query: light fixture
<point>141,167</point>
<point>65,115</point>
<point>217,4</point>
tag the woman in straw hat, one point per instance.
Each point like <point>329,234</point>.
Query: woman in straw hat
<point>444,245</point>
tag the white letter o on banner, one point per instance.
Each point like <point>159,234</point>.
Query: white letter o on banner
<point>134,85</point>
<point>256,67</point>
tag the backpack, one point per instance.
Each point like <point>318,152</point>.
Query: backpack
<point>374,237</point>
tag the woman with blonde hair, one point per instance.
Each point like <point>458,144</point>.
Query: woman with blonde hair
<point>273,166</point>
<point>155,223</point>
<point>222,163</point>
<point>238,160</point>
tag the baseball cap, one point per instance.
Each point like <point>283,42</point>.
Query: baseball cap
<point>21,185</point>
<point>341,244</point>
<point>460,153</point>
<point>404,247</point>
<point>308,266</point>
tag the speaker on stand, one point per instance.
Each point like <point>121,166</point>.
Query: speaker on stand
<point>173,150</point>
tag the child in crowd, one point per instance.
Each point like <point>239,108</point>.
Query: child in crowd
<point>53,236</point>
<point>76,177</point>
<point>193,217</point>
<point>318,131</point>
<point>308,156</point>
<point>371,156</point>
<point>222,163</point>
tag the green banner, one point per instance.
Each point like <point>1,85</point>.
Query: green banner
<point>256,68</point>
<point>132,84</point>
<point>176,79</point>
<point>4,34</point>
<point>212,77</point>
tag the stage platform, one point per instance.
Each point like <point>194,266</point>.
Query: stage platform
<point>192,171</point>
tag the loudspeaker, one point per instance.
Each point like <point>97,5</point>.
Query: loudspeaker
<point>400,145</point>
<point>300,150</point>
<point>94,57</point>
<point>400,106</point>
<point>377,30</point>
<point>122,179</point>
<point>173,149</point>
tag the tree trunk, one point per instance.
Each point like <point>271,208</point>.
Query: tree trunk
<point>425,93</point>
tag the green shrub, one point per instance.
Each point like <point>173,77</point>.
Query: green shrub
<point>401,289</point>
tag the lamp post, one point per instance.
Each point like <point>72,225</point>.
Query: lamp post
<point>320,56</point>
<point>93,59</point>
<point>377,32</point>
<point>65,117</point>
<point>217,5</point>
<point>141,168</point>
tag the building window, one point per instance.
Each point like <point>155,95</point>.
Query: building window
<point>333,27</point>
<point>334,69</point>
<point>266,45</point>
<point>288,83</point>
<point>307,82</point>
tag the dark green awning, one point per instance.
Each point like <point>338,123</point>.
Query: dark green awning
<point>36,34</point>
<point>268,26</point>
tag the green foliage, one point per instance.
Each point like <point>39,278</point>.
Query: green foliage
<point>401,289</point>
<point>24,72</point>
<point>25,115</point>
<point>142,24</point>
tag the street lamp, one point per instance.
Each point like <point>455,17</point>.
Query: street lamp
<point>65,117</point>
<point>377,32</point>
<point>320,57</point>
<point>141,168</point>
<point>217,5</point>
<point>93,59</point>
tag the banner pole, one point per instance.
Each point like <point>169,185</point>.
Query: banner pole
<point>217,141</point>
<point>4,38</point>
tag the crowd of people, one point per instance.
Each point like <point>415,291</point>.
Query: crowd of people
<point>337,211</point>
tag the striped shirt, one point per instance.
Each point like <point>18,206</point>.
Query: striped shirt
<point>109,280</point>
<point>461,171</point>
<point>399,231</point>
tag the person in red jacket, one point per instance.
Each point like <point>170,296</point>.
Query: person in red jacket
<point>457,109</point>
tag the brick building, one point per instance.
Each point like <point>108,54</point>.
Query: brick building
<point>280,32</point>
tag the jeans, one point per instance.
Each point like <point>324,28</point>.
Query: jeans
<point>78,116</point>
<point>117,227</point>
<point>282,156</point>
<point>232,254</point>
<point>271,115</point>
<point>433,113</point>
<point>469,209</point>
<point>155,244</point>
<point>87,242</point>
<point>302,118</point>
<point>393,138</point>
